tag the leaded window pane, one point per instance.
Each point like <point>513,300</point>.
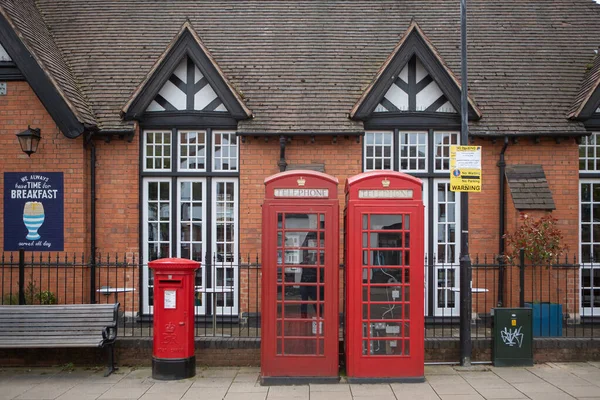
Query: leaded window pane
<point>413,151</point>
<point>378,150</point>
<point>192,150</point>
<point>157,151</point>
<point>442,142</point>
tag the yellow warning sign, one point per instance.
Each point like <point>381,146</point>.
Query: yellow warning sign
<point>465,168</point>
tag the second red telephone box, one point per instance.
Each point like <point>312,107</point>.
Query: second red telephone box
<point>300,236</point>
<point>384,241</point>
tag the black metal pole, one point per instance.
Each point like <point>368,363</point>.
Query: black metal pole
<point>465,258</point>
<point>21,277</point>
<point>522,278</point>
<point>501,246</point>
<point>93,223</point>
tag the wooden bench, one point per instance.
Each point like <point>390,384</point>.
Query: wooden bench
<point>52,326</point>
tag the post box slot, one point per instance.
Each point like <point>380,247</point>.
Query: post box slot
<point>170,282</point>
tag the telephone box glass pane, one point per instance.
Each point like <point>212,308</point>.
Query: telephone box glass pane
<point>385,243</point>
<point>386,275</point>
<point>384,222</point>
<point>308,328</point>
<point>300,242</point>
<point>300,346</point>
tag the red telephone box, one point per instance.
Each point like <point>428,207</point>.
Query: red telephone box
<point>173,348</point>
<point>300,253</point>
<point>384,277</point>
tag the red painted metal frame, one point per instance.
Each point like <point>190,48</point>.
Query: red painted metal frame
<point>299,365</point>
<point>409,323</point>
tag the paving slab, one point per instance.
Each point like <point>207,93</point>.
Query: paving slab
<point>501,393</point>
<point>338,388</point>
<point>245,396</point>
<point>247,387</point>
<point>551,381</point>
<point>422,391</point>
<point>371,390</point>
<point>330,395</point>
<point>212,382</point>
<point>300,391</point>
<point>461,397</point>
<point>204,393</point>
<point>46,390</point>
<point>581,390</point>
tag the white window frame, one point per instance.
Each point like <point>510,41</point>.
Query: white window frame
<point>233,310</point>
<point>446,311</point>
<point>391,145</point>
<point>417,158</point>
<point>199,309</point>
<point>592,265</point>
<point>146,307</point>
<point>179,144</point>
<point>145,150</point>
<point>237,151</point>
<point>442,147</point>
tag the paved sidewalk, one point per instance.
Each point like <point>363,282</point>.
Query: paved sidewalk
<point>549,381</point>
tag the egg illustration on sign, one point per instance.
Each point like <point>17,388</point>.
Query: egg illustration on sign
<point>33,218</point>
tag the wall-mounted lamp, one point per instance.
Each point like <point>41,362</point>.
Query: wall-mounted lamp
<point>29,140</point>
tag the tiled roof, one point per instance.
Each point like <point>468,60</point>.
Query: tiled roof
<point>591,82</point>
<point>529,188</point>
<point>302,65</point>
<point>29,26</point>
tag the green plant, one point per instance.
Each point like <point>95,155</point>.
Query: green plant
<point>539,238</point>
<point>46,297</point>
<point>68,367</point>
<point>30,292</point>
<point>10,299</point>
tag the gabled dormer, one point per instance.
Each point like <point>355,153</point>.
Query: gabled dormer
<point>414,86</point>
<point>586,107</point>
<point>186,86</point>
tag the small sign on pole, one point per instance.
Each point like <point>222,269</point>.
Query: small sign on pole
<point>465,168</point>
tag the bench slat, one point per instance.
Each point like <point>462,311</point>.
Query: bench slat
<point>50,344</point>
<point>47,326</point>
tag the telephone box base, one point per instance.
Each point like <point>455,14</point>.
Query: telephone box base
<point>411,379</point>
<point>297,380</point>
<point>173,369</point>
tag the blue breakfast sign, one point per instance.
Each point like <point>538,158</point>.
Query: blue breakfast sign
<point>33,211</point>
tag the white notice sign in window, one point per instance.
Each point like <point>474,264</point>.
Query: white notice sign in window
<point>170,299</point>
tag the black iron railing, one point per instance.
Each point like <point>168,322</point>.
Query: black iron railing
<point>228,294</point>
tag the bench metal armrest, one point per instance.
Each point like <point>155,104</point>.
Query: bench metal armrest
<point>109,334</point>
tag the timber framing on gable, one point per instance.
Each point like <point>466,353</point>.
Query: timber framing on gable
<point>413,48</point>
<point>149,106</point>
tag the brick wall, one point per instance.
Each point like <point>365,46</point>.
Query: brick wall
<point>258,160</point>
<point>117,196</point>
<point>56,153</point>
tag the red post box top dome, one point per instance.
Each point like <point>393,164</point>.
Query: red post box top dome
<point>301,184</point>
<point>174,263</point>
<point>384,185</point>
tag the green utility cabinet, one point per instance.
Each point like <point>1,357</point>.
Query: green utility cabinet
<point>513,337</point>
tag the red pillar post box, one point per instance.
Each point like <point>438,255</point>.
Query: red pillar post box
<point>173,350</point>
<point>384,244</point>
<point>300,273</point>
